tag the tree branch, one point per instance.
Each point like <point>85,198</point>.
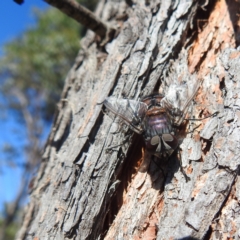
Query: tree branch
<point>83,16</point>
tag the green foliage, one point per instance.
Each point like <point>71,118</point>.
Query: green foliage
<point>10,230</point>
<point>37,62</point>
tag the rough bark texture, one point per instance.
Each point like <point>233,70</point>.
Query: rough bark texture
<point>86,189</point>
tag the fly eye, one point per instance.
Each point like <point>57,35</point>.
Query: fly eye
<point>167,137</point>
<point>169,141</point>
<point>155,140</point>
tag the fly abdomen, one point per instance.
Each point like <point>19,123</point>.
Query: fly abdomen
<point>157,125</point>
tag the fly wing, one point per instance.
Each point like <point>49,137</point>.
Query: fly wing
<point>130,111</point>
<point>178,99</point>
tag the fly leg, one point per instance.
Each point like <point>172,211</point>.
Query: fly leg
<point>125,140</point>
<point>193,129</point>
<point>153,159</point>
<point>200,119</point>
<point>181,167</point>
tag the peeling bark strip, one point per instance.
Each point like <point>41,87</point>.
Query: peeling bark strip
<point>88,189</point>
<point>82,15</point>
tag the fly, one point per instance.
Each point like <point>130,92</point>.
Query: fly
<point>156,117</point>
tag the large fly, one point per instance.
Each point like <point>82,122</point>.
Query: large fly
<point>156,117</point>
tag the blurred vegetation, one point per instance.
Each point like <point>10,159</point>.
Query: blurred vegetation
<point>10,231</point>
<point>32,72</point>
<point>37,62</point>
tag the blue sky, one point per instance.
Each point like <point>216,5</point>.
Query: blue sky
<point>14,20</point>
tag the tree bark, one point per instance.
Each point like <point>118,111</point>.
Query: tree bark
<point>93,184</point>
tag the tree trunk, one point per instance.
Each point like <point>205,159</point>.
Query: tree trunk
<point>92,183</point>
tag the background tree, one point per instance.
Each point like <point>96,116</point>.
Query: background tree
<point>32,73</point>
<point>86,189</point>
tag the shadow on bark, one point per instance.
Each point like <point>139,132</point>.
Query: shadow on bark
<point>233,9</point>
<point>124,174</point>
<point>160,174</point>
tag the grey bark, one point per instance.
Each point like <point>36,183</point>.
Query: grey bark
<point>87,190</point>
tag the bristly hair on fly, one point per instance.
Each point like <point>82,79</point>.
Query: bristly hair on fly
<point>156,117</point>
